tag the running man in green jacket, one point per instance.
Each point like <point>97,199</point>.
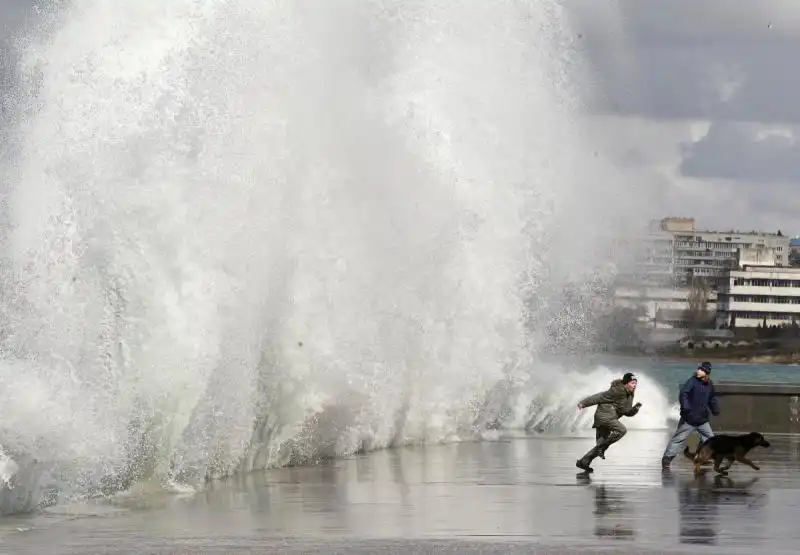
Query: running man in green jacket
<point>611,406</point>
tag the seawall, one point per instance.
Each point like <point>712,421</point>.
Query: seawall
<point>757,407</point>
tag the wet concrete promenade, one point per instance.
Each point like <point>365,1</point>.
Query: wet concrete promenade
<point>511,496</point>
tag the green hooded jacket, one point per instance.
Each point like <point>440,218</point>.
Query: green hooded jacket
<point>611,404</point>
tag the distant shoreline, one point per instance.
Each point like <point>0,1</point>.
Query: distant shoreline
<point>720,355</point>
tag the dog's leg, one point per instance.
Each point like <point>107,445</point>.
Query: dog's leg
<point>717,461</point>
<point>729,462</point>
<point>744,460</point>
<point>702,457</point>
<point>699,460</point>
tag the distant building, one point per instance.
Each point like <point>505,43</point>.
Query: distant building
<point>753,295</point>
<point>708,253</point>
<point>676,224</point>
<point>794,251</point>
<point>652,260</point>
<point>755,256</point>
<point>674,252</point>
<point>661,307</point>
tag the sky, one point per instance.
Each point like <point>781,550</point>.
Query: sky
<point>702,97</point>
<point>696,98</point>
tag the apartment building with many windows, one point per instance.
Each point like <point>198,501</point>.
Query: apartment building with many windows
<point>674,252</point>
<point>759,295</point>
<point>708,254</point>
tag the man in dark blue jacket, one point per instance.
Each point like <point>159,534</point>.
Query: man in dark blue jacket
<point>697,399</point>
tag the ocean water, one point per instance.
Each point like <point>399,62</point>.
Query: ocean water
<point>551,413</point>
<point>240,234</point>
<point>670,374</point>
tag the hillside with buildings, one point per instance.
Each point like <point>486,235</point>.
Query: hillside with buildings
<point>722,294</point>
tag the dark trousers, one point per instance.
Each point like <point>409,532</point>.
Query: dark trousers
<point>605,436</point>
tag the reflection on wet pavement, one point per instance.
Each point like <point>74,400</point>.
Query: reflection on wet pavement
<point>508,491</point>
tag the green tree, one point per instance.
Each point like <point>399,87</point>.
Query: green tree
<point>697,316</point>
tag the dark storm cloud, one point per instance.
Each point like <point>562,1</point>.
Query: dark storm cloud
<point>743,151</point>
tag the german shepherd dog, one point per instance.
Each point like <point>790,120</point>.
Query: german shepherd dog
<point>727,448</point>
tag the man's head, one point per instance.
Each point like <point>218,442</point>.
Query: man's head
<point>629,381</point>
<point>704,371</point>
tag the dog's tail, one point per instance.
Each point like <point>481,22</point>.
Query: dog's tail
<point>688,454</point>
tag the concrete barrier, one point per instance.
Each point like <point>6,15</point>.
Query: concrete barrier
<point>758,407</point>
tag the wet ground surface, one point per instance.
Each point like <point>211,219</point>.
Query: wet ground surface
<point>512,496</point>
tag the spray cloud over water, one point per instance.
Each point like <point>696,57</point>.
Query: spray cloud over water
<point>245,234</point>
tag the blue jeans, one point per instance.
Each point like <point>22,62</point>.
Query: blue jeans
<point>682,433</point>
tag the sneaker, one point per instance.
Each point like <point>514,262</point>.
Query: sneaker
<point>665,462</point>
<point>583,465</point>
